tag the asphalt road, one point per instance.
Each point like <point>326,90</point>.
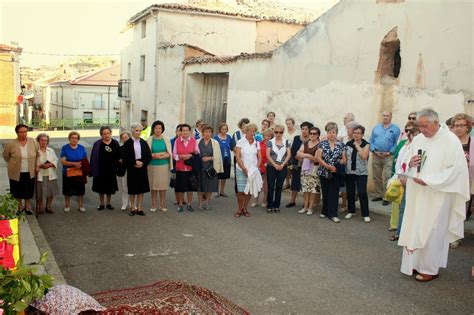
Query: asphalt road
<point>268,263</point>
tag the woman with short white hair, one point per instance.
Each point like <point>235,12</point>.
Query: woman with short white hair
<point>136,156</point>
<point>47,164</point>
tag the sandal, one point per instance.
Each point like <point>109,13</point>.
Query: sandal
<point>424,277</point>
<point>394,237</point>
<point>238,214</point>
<point>246,213</point>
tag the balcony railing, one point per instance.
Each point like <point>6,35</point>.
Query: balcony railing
<point>75,124</point>
<point>124,89</point>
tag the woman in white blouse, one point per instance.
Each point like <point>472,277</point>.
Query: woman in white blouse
<point>47,163</point>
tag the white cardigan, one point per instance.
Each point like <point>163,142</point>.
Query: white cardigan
<point>51,157</point>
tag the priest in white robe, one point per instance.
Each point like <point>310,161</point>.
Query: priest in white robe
<point>436,195</point>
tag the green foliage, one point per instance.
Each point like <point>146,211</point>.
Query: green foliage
<point>9,207</point>
<point>18,288</point>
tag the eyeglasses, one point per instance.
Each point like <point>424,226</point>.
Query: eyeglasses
<point>356,133</point>
<point>313,133</point>
<point>278,132</point>
<point>407,130</point>
<point>460,126</point>
<point>412,118</point>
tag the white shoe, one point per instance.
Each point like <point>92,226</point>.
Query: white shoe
<point>153,210</point>
<point>254,204</point>
<point>124,208</point>
<point>335,219</point>
<point>310,212</point>
<point>349,215</point>
<point>67,209</point>
<point>82,209</point>
<point>264,205</point>
<point>367,219</point>
<point>322,215</point>
<point>343,209</point>
<point>164,209</point>
<point>455,244</point>
<point>304,210</point>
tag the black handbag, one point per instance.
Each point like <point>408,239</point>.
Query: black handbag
<point>210,172</point>
<point>172,180</point>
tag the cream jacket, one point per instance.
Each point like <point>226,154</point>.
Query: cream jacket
<point>216,155</point>
<point>12,155</point>
<point>50,172</point>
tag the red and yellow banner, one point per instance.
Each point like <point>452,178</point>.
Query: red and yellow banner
<point>9,243</point>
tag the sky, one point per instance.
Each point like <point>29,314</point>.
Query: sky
<point>75,27</point>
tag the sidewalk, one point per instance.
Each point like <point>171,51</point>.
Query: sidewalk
<point>32,239</point>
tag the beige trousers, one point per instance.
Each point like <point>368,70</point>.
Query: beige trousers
<point>381,173</point>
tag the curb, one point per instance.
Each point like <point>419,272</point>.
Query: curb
<point>51,267</point>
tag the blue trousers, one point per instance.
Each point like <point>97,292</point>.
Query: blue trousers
<point>330,190</point>
<point>275,181</point>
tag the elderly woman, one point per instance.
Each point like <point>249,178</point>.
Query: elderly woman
<point>184,148</point>
<point>75,163</point>
<point>105,156</point>
<point>357,153</point>
<point>211,165</point>
<point>264,126</point>
<point>348,137</point>
<point>310,185</point>
<point>267,136</point>
<point>271,118</point>
<point>46,165</point>
<point>122,174</point>
<point>331,156</point>
<point>224,141</point>
<point>20,154</point>
<point>278,156</point>
<point>248,157</point>
<point>136,156</point>
<point>160,165</point>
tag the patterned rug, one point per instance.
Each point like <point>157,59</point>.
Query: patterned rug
<point>166,297</point>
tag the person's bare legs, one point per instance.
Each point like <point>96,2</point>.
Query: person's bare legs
<point>139,202</point>
<point>306,202</point>
<point>208,198</point>
<point>222,186</point>
<point>190,198</point>
<point>200,198</point>
<point>80,201</point>
<point>132,203</point>
<point>109,199</point>
<point>312,199</point>
<point>154,199</point>
<point>28,204</point>
<point>162,199</point>
<point>101,199</point>
<point>293,196</point>
<point>67,201</point>
<point>246,204</point>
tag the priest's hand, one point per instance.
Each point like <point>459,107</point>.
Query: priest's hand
<point>419,181</point>
<point>415,161</point>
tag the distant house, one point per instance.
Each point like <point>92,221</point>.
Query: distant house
<point>166,34</point>
<point>10,86</point>
<point>90,99</point>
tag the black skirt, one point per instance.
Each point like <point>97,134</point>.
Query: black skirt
<point>24,188</point>
<point>73,186</point>
<point>137,181</point>
<point>183,182</point>
<point>226,174</point>
<point>104,184</point>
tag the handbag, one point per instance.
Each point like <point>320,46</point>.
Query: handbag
<point>73,172</point>
<point>172,180</point>
<point>394,191</point>
<point>210,172</point>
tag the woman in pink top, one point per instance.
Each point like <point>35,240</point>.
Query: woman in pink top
<point>184,148</point>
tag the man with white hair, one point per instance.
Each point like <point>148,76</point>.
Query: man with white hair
<point>349,117</point>
<point>436,193</point>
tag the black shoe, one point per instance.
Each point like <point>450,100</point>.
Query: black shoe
<point>291,204</point>
<point>276,210</point>
<point>377,199</point>
<point>385,203</point>
<point>109,207</point>
<point>28,212</point>
<point>140,212</point>
<point>269,210</point>
<point>101,207</point>
<point>132,213</point>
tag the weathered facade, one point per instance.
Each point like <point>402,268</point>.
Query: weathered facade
<point>10,86</point>
<point>362,57</point>
<point>165,35</point>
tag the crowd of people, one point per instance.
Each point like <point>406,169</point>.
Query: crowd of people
<point>322,167</point>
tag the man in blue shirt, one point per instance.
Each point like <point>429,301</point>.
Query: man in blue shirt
<point>383,142</point>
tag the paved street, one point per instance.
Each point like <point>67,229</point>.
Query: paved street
<point>278,263</point>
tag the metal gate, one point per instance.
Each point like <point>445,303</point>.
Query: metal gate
<point>214,99</point>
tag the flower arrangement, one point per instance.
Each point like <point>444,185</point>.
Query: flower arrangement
<point>9,208</point>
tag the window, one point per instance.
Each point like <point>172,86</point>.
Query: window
<point>143,26</point>
<point>142,68</point>
<point>97,101</point>
<point>389,56</point>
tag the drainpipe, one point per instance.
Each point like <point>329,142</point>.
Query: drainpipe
<point>62,104</point>
<point>156,66</point>
<point>108,107</point>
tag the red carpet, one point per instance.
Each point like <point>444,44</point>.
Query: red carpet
<point>166,297</point>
